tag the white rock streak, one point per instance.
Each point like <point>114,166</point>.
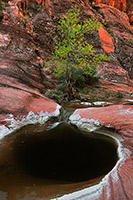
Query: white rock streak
<point>87,124</point>
<point>20,121</point>
<point>4,40</point>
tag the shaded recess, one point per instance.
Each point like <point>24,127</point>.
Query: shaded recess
<point>65,153</point>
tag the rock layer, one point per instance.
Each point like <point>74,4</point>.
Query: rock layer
<point>114,39</point>
<point>21,86</point>
<point>120,4</point>
<point>118,184</point>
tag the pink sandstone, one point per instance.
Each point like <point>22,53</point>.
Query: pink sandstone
<point>118,183</point>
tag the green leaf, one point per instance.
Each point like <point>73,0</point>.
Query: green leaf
<point>72,53</point>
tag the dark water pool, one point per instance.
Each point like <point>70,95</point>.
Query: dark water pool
<point>37,158</point>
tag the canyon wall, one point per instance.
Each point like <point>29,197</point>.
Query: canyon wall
<point>26,38</point>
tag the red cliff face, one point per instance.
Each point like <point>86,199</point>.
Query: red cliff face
<point>129,10</point>
<point>122,5</point>
<point>114,38</point>
<point>27,35</point>
<point>119,4</point>
<point>32,33</point>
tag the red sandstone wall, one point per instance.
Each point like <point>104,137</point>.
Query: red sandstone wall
<point>119,4</point>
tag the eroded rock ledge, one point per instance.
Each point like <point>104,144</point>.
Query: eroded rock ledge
<point>117,184</point>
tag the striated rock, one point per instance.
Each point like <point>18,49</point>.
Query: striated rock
<point>114,73</point>
<point>122,5</point>
<point>119,28</point>
<point>119,4</point>
<point>21,83</point>
<point>116,116</point>
<point>118,183</point>
<point>21,101</point>
<point>129,10</point>
<point>21,52</point>
<point>113,39</point>
<point>114,86</point>
<point>16,43</point>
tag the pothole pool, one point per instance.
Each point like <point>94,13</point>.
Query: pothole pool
<point>36,161</point>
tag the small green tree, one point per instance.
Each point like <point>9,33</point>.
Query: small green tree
<point>73,56</point>
<point>3,5</point>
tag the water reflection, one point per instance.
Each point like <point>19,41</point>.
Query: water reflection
<point>65,153</point>
<point>53,159</point>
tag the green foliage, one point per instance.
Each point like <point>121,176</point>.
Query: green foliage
<point>119,95</point>
<point>100,94</point>
<point>73,55</point>
<point>132,40</point>
<point>29,7</point>
<point>3,6</point>
<point>55,95</point>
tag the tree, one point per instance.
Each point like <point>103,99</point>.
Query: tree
<point>73,56</point>
<point>3,5</point>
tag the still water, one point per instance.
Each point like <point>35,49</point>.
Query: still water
<point>40,162</point>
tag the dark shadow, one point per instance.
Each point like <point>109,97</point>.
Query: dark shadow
<point>64,153</point>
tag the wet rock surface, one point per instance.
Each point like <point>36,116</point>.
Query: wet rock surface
<point>21,84</point>
<point>40,162</point>
<point>21,91</point>
<point>118,117</point>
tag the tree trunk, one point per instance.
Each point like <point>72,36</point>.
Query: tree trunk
<point>71,92</point>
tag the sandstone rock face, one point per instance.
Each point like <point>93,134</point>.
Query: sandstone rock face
<point>114,86</point>
<point>114,39</point>
<point>22,49</point>
<point>118,183</point>
<point>120,4</point>
<point>120,30</point>
<point>21,88</point>
<point>114,73</point>
<point>130,10</point>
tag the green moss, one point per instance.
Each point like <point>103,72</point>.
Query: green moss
<point>119,95</point>
<point>100,94</point>
<point>55,95</point>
